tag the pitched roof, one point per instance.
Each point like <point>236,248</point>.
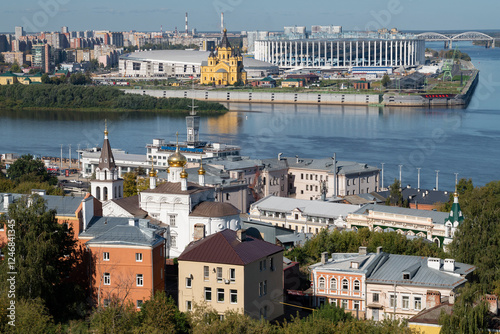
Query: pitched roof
<point>128,235</point>
<point>437,217</point>
<point>175,188</point>
<point>214,209</point>
<point>225,41</point>
<point>131,205</point>
<point>224,247</point>
<point>106,159</point>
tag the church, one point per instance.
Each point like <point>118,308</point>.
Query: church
<point>224,67</point>
<point>177,205</point>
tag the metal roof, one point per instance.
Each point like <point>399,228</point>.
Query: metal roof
<point>224,247</point>
<point>64,205</point>
<point>214,209</point>
<point>437,217</point>
<point>307,207</point>
<point>326,164</point>
<point>188,57</point>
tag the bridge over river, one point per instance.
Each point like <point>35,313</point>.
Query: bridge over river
<point>448,39</point>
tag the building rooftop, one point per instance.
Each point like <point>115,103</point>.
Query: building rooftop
<point>131,205</point>
<point>307,207</point>
<point>214,209</point>
<point>437,217</point>
<point>326,164</point>
<point>64,205</point>
<point>224,247</point>
<point>175,188</point>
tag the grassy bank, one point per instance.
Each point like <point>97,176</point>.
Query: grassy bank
<point>89,98</point>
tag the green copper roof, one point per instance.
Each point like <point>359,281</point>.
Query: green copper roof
<point>456,215</point>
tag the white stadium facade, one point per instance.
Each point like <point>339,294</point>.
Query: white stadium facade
<point>341,53</point>
<point>181,64</point>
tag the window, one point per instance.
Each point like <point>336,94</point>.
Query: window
<point>188,305</point>
<point>262,265</point>
<point>107,279</point>
<point>208,294</point>
<point>105,256</point>
<point>392,301</point>
<point>228,196</point>
<point>405,302</point>
<point>333,284</point>
<point>232,275</point>
<point>301,176</point>
<point>172,220</point>
<point>139,303</point>
<point>139,280</point>
<point>220,295</point>
<point>417,303</point>
<point>234,296</point>
<point>307,187</point>
<point>271,264</point>
<point>296,216</point>
<point>375,297</point>
<point>188,282</point>
<point>345,284</point>
<point>321,284</point>
<point>138,257</point>
<point>356,285</point>
<point>356,304</point>
<point>206,273</point>
<point>261,290</point>
<point>265,287</point>
<point>219,274</point>
<point>173,241</point>
<point>344,304</point>
<point>333,301</point>
<point>105,302</point>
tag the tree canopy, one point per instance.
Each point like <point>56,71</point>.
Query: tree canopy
<point>26,168</point>
<point>395,197</point>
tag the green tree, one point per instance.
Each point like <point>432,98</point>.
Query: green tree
<point>395,197</point>
<point>160,315</point>
<point>385,80</point>
<point>32,316</point>
<point>470,314</point>
<point>133,183</point>
<point>44,254</point>
<point>15,68</point>
<point>2,59</point>
<point>26,168</point>
<point>116,318</point>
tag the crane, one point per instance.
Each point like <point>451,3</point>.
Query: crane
<point>448,65</point>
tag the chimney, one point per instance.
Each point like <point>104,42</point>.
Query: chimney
<point>88,212</point>
<point>449,265</point>
<point>279,156</point>
<point>379,249</point>
<point>7,199</point>
<point>451,299</point>
<point>492,301</point>
<point>132,222</point>
<point>433,263</point>
<point>362,250</point>
<point>433,298</point>
<point>324,257</point>
<point>241,235</point>
<point>199,232</point>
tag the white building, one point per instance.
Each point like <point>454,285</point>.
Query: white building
<point>341,53</point>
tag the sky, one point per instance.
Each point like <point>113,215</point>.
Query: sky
<point>149,15</point>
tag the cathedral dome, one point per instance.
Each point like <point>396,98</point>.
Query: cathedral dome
<point>184,174</point>
<point>177,160</point>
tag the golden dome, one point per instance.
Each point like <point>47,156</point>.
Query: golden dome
<point>168,170</point>
<point>201,171</point>
<point>152,173</point>
<point>184,174</point>
<point>177,160</point>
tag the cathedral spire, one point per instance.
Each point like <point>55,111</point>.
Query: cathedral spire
<point>225,41</point>
<point>106,160</point>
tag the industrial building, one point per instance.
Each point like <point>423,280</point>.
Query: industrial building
<point>181,64</point>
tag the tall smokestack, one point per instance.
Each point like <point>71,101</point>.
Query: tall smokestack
<point>187,31</point>
<point>221,22</point>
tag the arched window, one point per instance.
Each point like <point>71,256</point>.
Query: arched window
<point>321,283</point>
<point>98,193</point>
<point>333,284</point>
<point>345,284</point>
<point>356,285</point>
<point>105,193</point>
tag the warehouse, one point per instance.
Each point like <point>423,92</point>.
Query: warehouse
<point>181,64</point>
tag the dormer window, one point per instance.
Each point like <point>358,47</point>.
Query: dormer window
<point>354,265</point>
<point>406,276</point>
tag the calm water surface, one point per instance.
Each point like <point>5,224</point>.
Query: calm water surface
<point>451,141</point>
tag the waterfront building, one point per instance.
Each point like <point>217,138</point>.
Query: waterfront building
<point>311,178</point>
<point>232,271</point>
<point>379,285</point>
<point>299,214</point>
<point>342,52</point>
<point>225,67</point>
<point>9,78</point>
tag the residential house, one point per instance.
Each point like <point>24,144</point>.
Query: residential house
<point>231,271</point>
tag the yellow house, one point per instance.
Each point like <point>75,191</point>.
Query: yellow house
<point>230,271</point>
<point>224,67</point>
<point>9,78</point>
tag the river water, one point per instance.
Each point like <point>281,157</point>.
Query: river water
<point>464,141</point>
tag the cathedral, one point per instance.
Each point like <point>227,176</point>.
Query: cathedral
<point>225,67</point>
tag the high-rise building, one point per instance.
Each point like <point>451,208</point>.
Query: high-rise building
<point>64,30</point>
<point>19,32</point>
<point>4,44</point>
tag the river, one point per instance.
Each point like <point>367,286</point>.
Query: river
<point>464,141</point>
